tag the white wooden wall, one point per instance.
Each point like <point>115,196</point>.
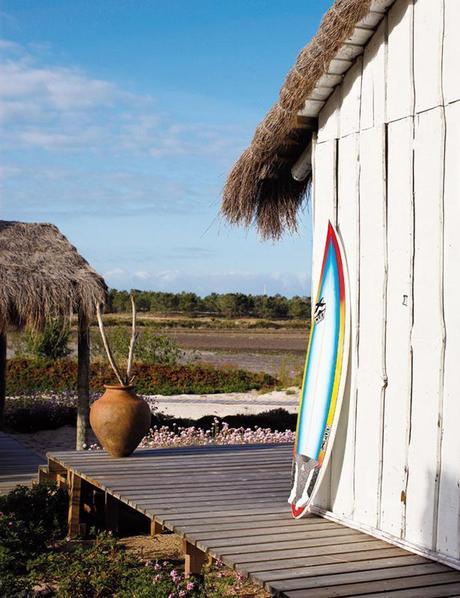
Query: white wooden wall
<point>387,172</point>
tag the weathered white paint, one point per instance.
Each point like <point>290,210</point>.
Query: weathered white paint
<point>400,91</point>
<point>373,97</point>
<point>427,330</point>
<point>448,540</point>
<point>342,462</point>
<point>329,118</point>
<point>369,422</point>
<point>350,106</point>
<point>399,323</point>
<point>396,466</point>
<point>451,80</point>
<point>428,35</point>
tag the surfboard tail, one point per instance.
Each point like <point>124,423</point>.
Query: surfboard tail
<point>305,473</point>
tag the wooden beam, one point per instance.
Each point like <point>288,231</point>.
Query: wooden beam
<point>83,382</point>
<point>3,362</point>
<point>73,520</point>
<point>112,513</point>
<point>155,527</point>
<point>302,168</point>
<point>195,559</point>
<point>309,123</point>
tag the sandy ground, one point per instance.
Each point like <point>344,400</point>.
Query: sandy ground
<point>234,403</point>
<point>189,406</point>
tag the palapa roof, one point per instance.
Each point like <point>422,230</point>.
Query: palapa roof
<point>260,188</point>
<point>42,276</point>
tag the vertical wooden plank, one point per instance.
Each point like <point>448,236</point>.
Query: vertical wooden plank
<point>111,513</point>
<point>369,415</point>
<point>400,91</point>
<point>351,99</point>
<point>156,528</point>
<point>83,382</point>
<point>328,119</point>
<point>3,363</point>
<point>451,80</point>
<point>342,462</point>
<point>373,96</point>
<point>194,558</point>
<point>324,197</point>
<point>428,33</point>
<point>74,485</point>
<point>427,334</point>
<point>448,540</point>
<point>399,322</point>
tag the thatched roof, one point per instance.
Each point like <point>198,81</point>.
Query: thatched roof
<point>42,275</point>
<point>260,188</point>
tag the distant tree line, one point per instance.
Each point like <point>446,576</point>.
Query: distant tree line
<point>228,305</point>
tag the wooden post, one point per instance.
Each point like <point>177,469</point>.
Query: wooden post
<point>112,509</point>
<point>194,559</point>
<point>155,528</point>
<point>57,474</point>
<point>74,484</point>
<point>83,381</point>
<point>2,376</point>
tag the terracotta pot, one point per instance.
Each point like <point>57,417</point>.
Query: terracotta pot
<point>120,419</point>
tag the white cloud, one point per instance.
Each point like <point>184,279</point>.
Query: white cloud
<point>63,108</point>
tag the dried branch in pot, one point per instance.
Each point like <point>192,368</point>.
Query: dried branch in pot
<point>127,379</point>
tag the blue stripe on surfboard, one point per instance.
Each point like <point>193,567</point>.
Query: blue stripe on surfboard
<point>309,442</point>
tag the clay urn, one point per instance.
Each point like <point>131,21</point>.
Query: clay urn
<point>120,419</point>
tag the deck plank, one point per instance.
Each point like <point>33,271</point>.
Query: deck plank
<point>231,502</point>
<point>18,464</point>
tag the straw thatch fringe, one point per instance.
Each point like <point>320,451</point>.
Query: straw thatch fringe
<point>42,276</point>
<point>260,188</point>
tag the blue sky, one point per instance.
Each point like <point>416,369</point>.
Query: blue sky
<point>121,119</point>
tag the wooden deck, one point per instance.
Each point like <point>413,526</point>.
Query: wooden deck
<point>229,503</point>
<point>18,464</point>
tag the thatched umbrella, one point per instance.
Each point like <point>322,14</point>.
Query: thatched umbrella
<point>43,276</point>
<point>260,188</point>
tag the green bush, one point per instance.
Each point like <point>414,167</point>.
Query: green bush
<point>150,347</point>
<point>32,517</point>
<point>103,569</point>
<point>275,419</point>
<point>33,553</point>
<point>52,343</point>
<point>30,520</point>
<point>30,413</point>
<point>31,376</point>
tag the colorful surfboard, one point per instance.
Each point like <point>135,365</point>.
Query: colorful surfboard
<point>324,377</point>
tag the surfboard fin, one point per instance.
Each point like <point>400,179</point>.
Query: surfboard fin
<point>304,473</point>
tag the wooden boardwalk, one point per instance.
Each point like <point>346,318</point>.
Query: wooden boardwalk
<point>18,464</point>
<point>229,503</point>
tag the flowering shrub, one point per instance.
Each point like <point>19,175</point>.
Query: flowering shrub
<point>40,411</point>
<point>163,436</point>
<point>51,410</point>
<point>104,569</point>
<point>30,518</point>
<point>25,375</point>
<point>47,411</point>
<point>36,559</point>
